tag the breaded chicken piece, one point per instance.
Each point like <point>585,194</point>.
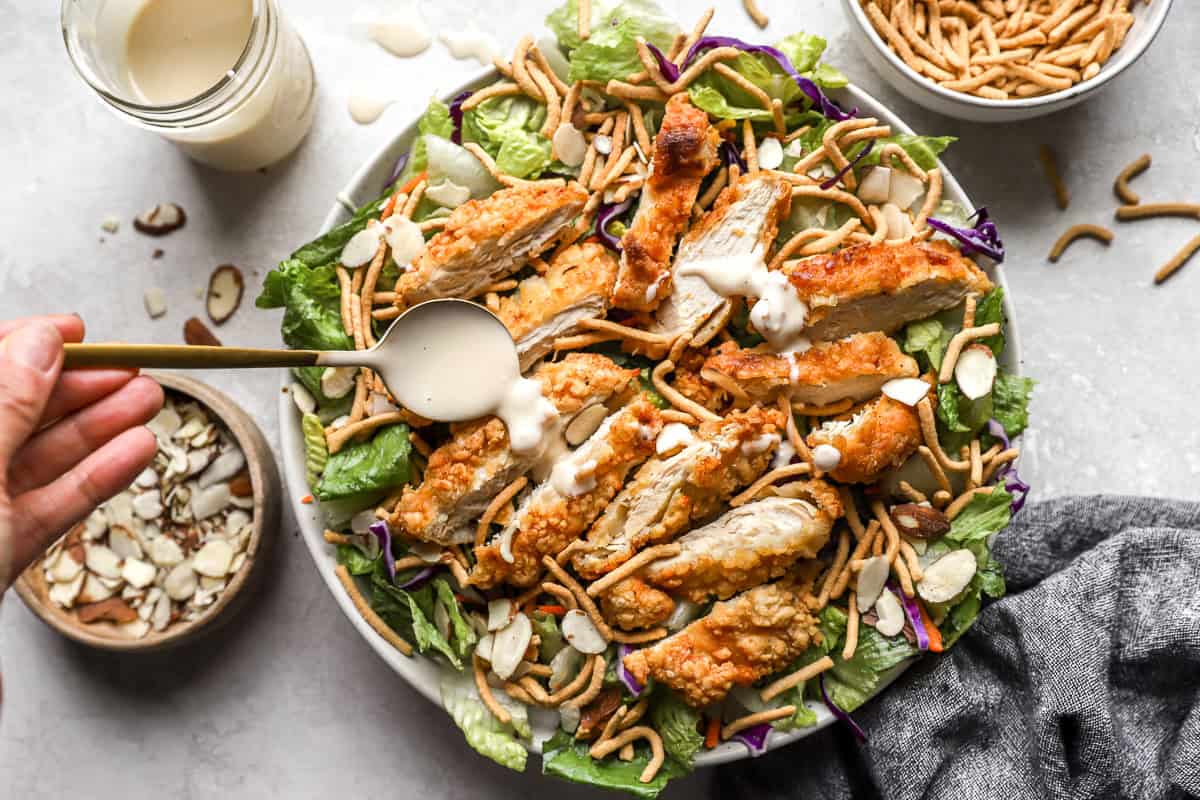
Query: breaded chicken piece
<point>561,508</point>
<point>880,287</point>
<point>741,549</point>
<point>669,493</point>
<point>465,473</point>
<point>855,367</point>
<point>545,307</point>
<point>871,438</point>
<point>744,547</point>
<point>685,150</point>
<point>742,639</point>
<point>487,240</point>
<point>689,382</point>
<point>745,215</point>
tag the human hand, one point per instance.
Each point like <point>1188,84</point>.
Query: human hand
<point>69,440</point>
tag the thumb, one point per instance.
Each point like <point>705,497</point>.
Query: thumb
<point>30,361</point>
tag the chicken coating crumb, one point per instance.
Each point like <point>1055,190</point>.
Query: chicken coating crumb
<point>632,603</point>
<point>872,439</point>
<point>741,640</point>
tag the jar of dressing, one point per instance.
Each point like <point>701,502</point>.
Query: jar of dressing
<point>228,81</point>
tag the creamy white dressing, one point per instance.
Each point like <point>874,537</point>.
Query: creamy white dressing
<point>403,37</point>
<point>471,44</point>
<point>572,478</point>
<point>779,315</point>
<point>673,436</point>
<point>760,444</point>
<point>366,107</point>
<point>454,361</point>
<point>784,455</point>
<point>826,457</point>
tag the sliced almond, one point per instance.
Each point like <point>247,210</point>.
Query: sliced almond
<point>904,189</point>
<point>65,569</point>
<point>362,246</point>
<point>890,615</point>
<point>135,629</point>
<point>509,645</point>
<point>585,424</point>
<point>148,505</point>
<point>146,479</point>
<point>64,594</point>
<point>122,542</point>
<point>975,371</point>
<point>483,648</point>
<point>909,391</point>
<point>919,522</point>
<point>114,609</point>
<point>155,301</point>
<point>770,153</point>
<point>238,561</point>
<point>210,501</point>
<point>446,193</point>
<point>303,398</point>
<point>102,561</point>
<point>875,186</point>
<point>164,424</point>
<point>213,559</point>
<point>500,613</point>
<point>224,467</point>
<point>165,552</point>
<point>564,666</point>
<point>580,632</point>
<point>241,486</point>
<point>180,583</point>
<point>195,332</point>
<point>138,573</point>
<point>225,289</point>
<point>160,220</point>
<point>93,590</point>
<point>161,616</point>
<point>871,579</point>
<point>569,145</point>
<point>338,381</point>
<point>945,578</point>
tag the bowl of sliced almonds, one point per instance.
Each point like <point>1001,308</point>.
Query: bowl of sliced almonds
<point>176,553</point>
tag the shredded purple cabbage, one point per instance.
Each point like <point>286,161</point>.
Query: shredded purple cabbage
<point>604,216</point>
<point>832,182</point>
<point>981,238</point>
<point>401,163</point>
<point>755,738</point>
<point>630,682</point>
<point>1007,473</point>
<point>842,715</point>
<point>730,155</point>
<point>384,534</point>
<point>913,612</point>
<point>665,65</point>
<point>418,580</point>
<point>827,107</point>
<point>456,116</point>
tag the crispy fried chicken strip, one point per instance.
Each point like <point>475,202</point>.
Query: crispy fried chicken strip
<point>871,438</point>
<point>880,287</point>
<point>685,150</point>
<point>745,215</point>
<point>742,639</point>
<point>465,473</point>
<point>856,367</point>
<point>561,508</point>
<point>545,307</point>
<point>489,239</point>
<point>669,493</point>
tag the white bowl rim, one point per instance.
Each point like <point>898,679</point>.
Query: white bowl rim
<point>421,673</point>
<point>1156,16</point>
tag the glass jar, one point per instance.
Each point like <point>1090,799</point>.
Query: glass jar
<point>256,113</point>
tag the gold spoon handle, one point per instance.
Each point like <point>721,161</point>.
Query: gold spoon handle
<point>177,356</point>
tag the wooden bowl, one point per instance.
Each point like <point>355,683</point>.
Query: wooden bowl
<point>32,588</point>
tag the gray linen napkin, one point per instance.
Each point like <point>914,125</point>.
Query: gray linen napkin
<point>1083,682</point>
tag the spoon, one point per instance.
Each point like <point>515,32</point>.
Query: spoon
<point>448,360</point>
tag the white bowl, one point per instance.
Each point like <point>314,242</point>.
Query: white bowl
<point>423,673</point>
<point>1148,21</point>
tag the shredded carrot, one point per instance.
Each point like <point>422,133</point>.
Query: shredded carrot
<point>390,207</point>
<point>931,630</point>
<point>412,183</point>
<point>307,499</point>
<point>713,734</point>
<point>557,611</point>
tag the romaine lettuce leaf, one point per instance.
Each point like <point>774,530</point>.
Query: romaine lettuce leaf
<point>851,683</point>
<point>611,49</point>
<point>311,299</point>
<point>462,635</point>
<point>546,627</point>
<point>991,309</point>
<point>927,340</point>
<point>833,628</point>
<point>483,731</point>
<point>984,515</point>
<point>923,149</point>
<point>508,128</point>
<point>353,560</point>
<point>566,758</point>
<point>678,725</point>
<point>362,468</point>
<point>410,614</point>
<point>1010,402</point>
<point>972,529</point>
<point>436,121</point>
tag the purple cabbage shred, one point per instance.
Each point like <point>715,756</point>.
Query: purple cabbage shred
<point>730,155</point>
<point>383,533</point>
<point>401,163</point>
<point>631,683</point>
<point>1007,473</point>
<point>755,738</point>
<point>665,66</point>
<point>982,237</point>
<point>823,104</point>
<point>842,715</point>
<point>832,182</point>
<point>607,213</point>
<point>913,612</point>
<point>456,116</point>
<point>418,580</point>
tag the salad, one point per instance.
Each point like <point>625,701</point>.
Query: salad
<point>784,436</point>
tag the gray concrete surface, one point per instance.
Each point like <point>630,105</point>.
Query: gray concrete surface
<point>288,701</point>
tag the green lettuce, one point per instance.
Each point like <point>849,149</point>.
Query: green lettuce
<point>411,614</point>
<point>991,309</point>
<point>462,636</point>
<point>984,516</point>
<point>353,560</point>
<point>833,628</point>
<point>311,299</point>
<point>926,341</point>
<point>923,149</point>
<point>365,468</point>
<point>1010,402</point>
<point>436,121</point>
<point>960,414</point>
<point>508,128</point>
<point>546,627</point>
<point>679,726</point>
<point>611,49</point>
<point>565,758</point>
<point>851,683</point>
<point>484,733</point>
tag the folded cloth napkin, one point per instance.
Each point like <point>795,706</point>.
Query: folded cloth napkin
<point>1083,682</point>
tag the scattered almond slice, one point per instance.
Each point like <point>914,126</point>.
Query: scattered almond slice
<point>213,559</point>
<point>890,615</point>
<point>155,300</point>
<point>102,561</point>
<point>570,146</point>
<point>224,467</point>
<point>945,578</point>
<point>137,573</point>
<point>975,371</point>
<point>909,391</point>
<point>93,590</point>
<point>509,645</point>
<point>64,594</point>
<point>160,220</point>
<point>500,613</point>
<point>303,398</point>
<point>770,153</point>
<point>871,579</point>
<point>580,632</point>
<point>225,289</point>
<point>338,382</point>
<point>180,583</point>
